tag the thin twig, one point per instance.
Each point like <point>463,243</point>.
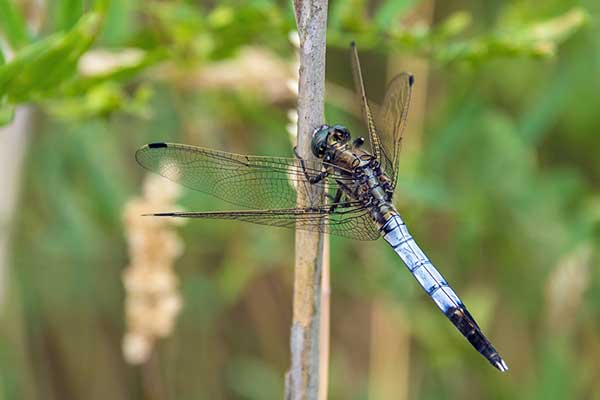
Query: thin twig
<point>152,379</point>
<point>324,336</point>
<point>302,381</point>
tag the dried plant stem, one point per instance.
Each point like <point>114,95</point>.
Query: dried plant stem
<point>324,339</point>
<point>152,380</point>
<point>302,381</point>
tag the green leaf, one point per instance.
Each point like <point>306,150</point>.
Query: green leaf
<point>454,25</point>
<point>544,36</point>
<point>390,11</point>
<point>69,12</point>
<point>121,20</point>
<point>120,73</point>
<point>41,67</point>
<point>101,100</point>
<point>533,39</point>
<point>9,71</point>
<point>348,14</point>
<point>13,24</point>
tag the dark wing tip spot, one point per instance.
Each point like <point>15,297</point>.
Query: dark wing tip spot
<point>157,145</point>
<point>411,80</point>
<point>168,214</point>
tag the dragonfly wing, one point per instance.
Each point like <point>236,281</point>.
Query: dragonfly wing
<point>364,103</point>
<point>353,222</point>
<point>249,181</point>
<point>391,120</point>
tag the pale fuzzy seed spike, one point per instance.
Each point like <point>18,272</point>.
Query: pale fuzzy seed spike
<point>294,39</point>
<point>152,295</point>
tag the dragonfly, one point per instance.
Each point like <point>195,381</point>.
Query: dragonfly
<point>347,190</point>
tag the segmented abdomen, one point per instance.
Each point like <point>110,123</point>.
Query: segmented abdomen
<point>397,235</point>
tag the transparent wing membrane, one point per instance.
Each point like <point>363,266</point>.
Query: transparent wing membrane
<point>248,181</point>
<point>386,136</point>
<point>268,186</point>
<point>363,101</point>
<point>391,121</point>
<point>351,222</point>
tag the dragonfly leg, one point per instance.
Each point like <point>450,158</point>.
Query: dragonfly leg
<point>311,179</point>
<point>343,204</point>
<point>336,200</point>
<point>358,142</point>
<point>347,189</point>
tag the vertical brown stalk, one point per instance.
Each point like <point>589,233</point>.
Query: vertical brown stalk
<point>389,363</point>
<point>302,381</point>
<point>324,339</point>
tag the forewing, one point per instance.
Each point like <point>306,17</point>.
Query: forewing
<point>391,121</point>
<point>364,103</point>
<point>352,222</point>
<point>249,181</point>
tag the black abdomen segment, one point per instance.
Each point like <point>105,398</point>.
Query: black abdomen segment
<point>464,322</point>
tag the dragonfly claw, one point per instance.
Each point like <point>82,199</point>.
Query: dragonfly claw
<point>296,153</point>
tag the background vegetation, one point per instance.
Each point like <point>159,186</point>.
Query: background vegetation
<point>499,183</point>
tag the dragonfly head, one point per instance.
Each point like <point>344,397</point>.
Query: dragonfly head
<point>327,138</point>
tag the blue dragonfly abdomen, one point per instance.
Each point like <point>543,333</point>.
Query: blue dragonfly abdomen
<point>396,234</point>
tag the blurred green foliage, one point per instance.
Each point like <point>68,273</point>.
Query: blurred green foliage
<point>45,65</point>
<point>500,187</point>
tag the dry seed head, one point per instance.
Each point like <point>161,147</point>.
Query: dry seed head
<point>152,301</point>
